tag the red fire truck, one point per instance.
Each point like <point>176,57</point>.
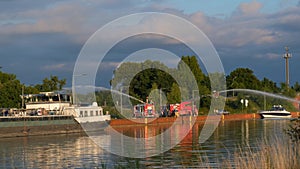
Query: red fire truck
<point>179,109</point>
<point>183,109</point>
<point>144,110</point>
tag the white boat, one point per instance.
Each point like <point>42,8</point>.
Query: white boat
<point>90,117</point>
<point>277,111</point>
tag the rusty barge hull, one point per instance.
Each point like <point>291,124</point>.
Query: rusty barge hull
<point>38,125</point>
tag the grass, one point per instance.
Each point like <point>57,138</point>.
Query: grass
<point>279,155</point>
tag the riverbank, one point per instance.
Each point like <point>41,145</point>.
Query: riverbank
<point>185,119</point>
<point>49,125</point>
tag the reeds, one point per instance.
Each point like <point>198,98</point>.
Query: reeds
<point>277,155</point>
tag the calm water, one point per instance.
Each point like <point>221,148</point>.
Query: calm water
<point>79,151</point>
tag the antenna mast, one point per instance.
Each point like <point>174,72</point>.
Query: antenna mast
<point>286,56</point>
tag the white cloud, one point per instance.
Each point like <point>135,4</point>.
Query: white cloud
<point>54,67</point>
<point>269,56</point>
<point>249,8</point>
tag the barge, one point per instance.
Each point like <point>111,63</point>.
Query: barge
<point>52,113</point>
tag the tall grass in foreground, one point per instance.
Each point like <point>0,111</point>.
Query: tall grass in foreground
<point>279,155</point>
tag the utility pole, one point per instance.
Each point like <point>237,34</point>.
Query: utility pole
<point>286,56</point>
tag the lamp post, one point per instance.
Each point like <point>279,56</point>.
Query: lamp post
<point>22,106</point>
<point>121,99</point>
<point>232,83</point>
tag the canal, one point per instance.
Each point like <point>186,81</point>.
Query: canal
<point>79,151</point>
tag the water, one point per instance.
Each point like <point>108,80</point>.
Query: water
<point>78,151</point>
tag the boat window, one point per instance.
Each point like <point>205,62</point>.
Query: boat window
<point>91,113</point>
<point>85,113</point>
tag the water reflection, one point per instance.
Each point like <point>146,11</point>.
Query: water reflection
<point>79,151</point>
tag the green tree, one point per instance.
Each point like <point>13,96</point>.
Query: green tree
<point>104,98</point>
<point>174,95</point>
<point>243,78</point>
<point>10,91</point>
<point>201,79</point>
<point>269,86</point>
<point>296,87</point>
<point>51,84</point>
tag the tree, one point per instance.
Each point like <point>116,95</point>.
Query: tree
<point>296,87</point>
<point>10,91</point>
<point>201,79</point>
<point>174,95</point>
<point>269,86</point>
<point>243,78</point>
<point>51,84</point>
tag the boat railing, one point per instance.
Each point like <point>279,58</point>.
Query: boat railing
<point>35,118</point>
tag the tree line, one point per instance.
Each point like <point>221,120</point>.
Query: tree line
<point>157,78</point>
<point>151,78</point>
<point>11,89</point>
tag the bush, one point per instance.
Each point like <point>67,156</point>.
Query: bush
<point>294,130</point>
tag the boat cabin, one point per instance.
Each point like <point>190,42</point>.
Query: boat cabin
<point>46,103</point>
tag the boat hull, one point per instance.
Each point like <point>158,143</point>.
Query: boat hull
<point>275,114</point>
<point>38,125</point>
<point>94,123</point>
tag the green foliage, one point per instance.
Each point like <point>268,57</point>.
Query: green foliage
<point>140,78</point>
<point>104,98</point>
<point>154,96</point>
<point>113,112</point>
<point>269,86</point>
<point>192,63</point>
<point>201,79</point>
<point>243,78</point>
<point>296,87</point>
<point>51,84</point>
<point>294,130</point>
<point>151,78</point>
<point>174,95</point>
<point>10,91</point>
<point>168,80</point>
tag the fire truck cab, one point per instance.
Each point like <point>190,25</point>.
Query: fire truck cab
<point>144,110</point>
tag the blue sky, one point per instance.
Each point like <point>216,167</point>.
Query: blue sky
<point>225,8</point>
<point>43,38</point>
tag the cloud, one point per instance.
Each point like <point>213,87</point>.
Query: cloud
<point>45,31</point>
<point>54,67</point>
<point>249,8</point>
<point>270,56</point>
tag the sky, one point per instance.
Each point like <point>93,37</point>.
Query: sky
<point>43,38</point>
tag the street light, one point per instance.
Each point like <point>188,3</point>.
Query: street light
<point>121,100</point>
<point>232,83</point>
